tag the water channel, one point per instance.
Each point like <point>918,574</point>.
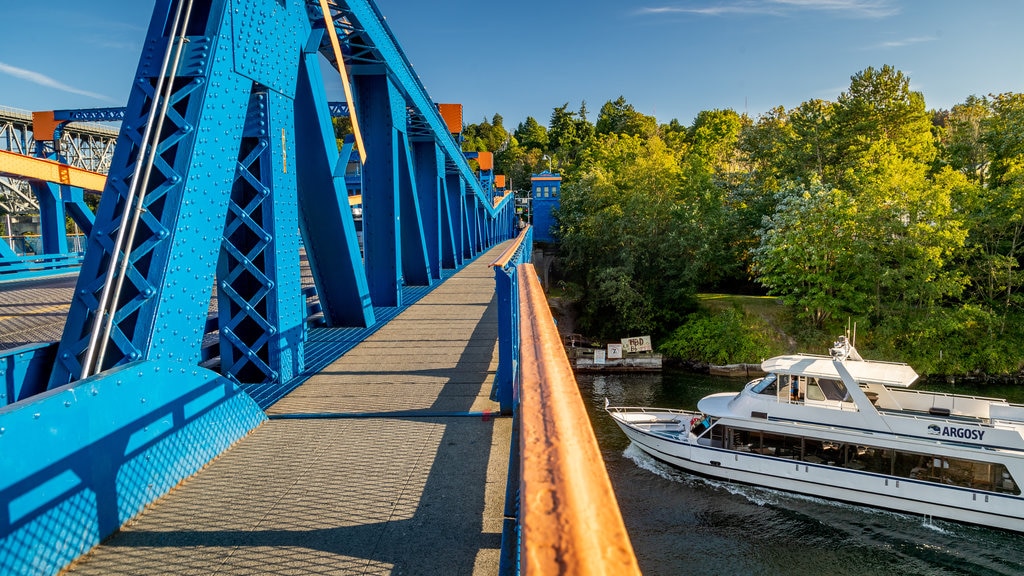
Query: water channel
<point>680,523</point>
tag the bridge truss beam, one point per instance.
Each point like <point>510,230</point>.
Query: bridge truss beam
<point>226,154</point>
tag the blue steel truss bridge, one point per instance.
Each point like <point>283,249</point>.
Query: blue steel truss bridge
<point>249,378</point>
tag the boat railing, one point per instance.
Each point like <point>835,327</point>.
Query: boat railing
<point>644,410</point>
<point>568,517</point>
<point>949,395</point>
<point>939,418</point>
<point>826,357</point>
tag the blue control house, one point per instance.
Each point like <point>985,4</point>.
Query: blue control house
<point>547,193</point>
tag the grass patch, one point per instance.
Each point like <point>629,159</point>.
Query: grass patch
<point>766,315</point>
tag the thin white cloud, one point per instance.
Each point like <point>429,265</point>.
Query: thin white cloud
<point>852,8</point>
<point>904,42</point>
<point>45,80</point>
<point>859,8</point>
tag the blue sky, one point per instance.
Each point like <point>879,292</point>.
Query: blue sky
<point>669,58</point>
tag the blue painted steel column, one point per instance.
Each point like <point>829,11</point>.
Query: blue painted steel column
<point>74,203</point>
<point>332,244</point>
<point>455,190</point>
<point>163,304</point>
<point>52,227</point>
<point>382,115</point>
<point>429,162</point>
<point>469,212</point>
<point>415,262</point>
<point>261,307</point>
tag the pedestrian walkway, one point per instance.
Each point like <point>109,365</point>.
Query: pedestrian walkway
<point>388,461</point>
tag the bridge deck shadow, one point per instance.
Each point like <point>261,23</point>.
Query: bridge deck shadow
<point>420,492</point>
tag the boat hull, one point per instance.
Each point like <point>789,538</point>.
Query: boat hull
<point>831,482</point>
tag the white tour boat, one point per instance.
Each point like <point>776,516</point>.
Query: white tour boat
<point>845,428</point>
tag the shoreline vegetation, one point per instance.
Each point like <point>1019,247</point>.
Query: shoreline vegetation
<point>731,334</point>
<point>870,210</point>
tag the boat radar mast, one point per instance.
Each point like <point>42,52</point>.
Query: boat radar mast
<point>842,350</point>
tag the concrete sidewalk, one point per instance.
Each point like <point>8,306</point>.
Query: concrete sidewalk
<point>420,491</point>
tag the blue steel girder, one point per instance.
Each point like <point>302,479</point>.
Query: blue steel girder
<point>382,115</point>
<point>261,308</point>
<point>452,221</point>
<point>369,42</point>
<point>91,114</point>
<point>332,244</point>
<point>430,185</point>
<point>159,308</point>
<point>415,260</point>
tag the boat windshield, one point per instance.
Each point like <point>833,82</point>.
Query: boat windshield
<point>767,385</point>
<point>831,390</point>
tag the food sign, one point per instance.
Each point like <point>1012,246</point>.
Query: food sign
<point>637,344</point>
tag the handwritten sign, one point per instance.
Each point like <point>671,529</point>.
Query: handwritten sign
<point>615,351</point>
<point>598,356</point>
<point>637,344</point>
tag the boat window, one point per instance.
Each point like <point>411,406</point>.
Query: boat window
<point>767,385</point>
<point>987,476</point>
<point>834,389</point>
<point>813,392</point>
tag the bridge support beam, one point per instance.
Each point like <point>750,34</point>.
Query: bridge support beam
<point>429,164</point>
<point>455,223</point>
<point>332,245</point>
<point>261,308</point>
<point>52,229</point>
<point>381,110</point>
<point>415,259</point>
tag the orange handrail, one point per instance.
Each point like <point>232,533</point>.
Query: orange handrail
<point>509,252</point>
<point>569,516</point>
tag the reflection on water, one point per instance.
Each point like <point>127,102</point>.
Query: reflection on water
<point>685,524</point>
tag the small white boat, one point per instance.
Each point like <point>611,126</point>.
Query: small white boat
<point>845,428</point>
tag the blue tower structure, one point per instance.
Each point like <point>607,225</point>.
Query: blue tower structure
<point>547,197</point>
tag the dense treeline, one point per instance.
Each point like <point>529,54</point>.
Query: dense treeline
<point>871,209</point>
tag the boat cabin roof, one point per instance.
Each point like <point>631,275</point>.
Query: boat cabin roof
<point>863,371</point>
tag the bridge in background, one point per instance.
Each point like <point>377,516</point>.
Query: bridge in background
<point>193,328</point>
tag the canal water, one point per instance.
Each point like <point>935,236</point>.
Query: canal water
<point>685,524</point>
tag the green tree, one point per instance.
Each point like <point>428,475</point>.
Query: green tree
<point>530,134</point>
<point>764,144</point>
<point>485,136</point>
<point>619,117</point>
<point>880,106</point>
<point>964,147</point>
<point>628,240</point>
<point>1004,137</point>
<point>713,138</point>
<point>570,136</point>
<point>811,156</point>
<point>811,252</point>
